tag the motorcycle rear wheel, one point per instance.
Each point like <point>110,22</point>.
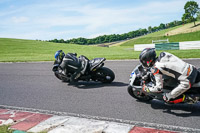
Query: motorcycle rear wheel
<point>136,94</point>
<point>104,75</point>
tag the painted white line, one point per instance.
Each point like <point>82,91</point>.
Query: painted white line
<point>129,122</point>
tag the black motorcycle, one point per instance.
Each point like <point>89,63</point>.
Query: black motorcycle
<point>90,69</point>
<point>140,75</point>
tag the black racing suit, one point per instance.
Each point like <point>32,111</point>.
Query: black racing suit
<point>76,66</point>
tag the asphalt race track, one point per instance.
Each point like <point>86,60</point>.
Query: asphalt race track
<point>33,85</point>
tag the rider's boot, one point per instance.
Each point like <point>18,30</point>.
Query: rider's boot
<point>74,77</point>
<point>191,99</point>
<point>179,99</point>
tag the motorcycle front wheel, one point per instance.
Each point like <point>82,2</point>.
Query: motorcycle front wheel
<point>104,75</point>
<point>136,94</point>
<point>62,78</point>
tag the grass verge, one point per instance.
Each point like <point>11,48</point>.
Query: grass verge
<point>17,50</point>
<point>5,129</point>
<point>194,36</point>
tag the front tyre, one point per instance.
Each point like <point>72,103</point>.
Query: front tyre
<point>104,75</point>
<point>136,94</point>
<point>61,77</point>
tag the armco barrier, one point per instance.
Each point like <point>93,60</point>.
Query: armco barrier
<point>169,46</point>
<point>189,45</point>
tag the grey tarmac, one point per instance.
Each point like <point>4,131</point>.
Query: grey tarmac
<point>33,85</point>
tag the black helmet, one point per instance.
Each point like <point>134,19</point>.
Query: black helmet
<point>148,57</point>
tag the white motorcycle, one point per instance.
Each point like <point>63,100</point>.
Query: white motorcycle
<point>139,75</point>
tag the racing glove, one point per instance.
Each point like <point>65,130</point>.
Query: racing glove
<point>145,88</point>
<point>165,97</point>
<point>151,88</point>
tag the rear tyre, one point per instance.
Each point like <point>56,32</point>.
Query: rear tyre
<point>104,75</point>
<point>136,94</point>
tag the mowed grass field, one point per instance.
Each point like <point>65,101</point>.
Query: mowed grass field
<point>18,50</point>
<point>193,36</point>
<point>180,33</point>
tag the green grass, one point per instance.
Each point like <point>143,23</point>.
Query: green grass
<point>193,36</point>
<point>161,33</point>
<point>18,50</point>
<point>4,129</point>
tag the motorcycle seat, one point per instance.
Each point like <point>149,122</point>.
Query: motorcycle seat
<point>95,62</point>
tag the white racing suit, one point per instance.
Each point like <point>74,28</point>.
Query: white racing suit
<point>170,65</point>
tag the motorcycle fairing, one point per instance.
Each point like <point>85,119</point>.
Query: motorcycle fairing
<point>135,76</point>
<point>55,67</point>
<point>168,82</point>
<point>95,63</point>
<point>132,78</point>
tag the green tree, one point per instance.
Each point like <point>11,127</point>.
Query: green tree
<point>149,29</point>
<point>81,41</point>
<point>155,28</point>
<point>171,24</point>
<point>191,8</point>
<point>161,26</point>
<point>55,40</point>
<point>90,41</point>
<point>61,41</point>
<point>185,18</point>
<point>198,15</point>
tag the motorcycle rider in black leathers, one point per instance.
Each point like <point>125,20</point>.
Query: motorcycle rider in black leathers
<point>170,65</point>
<point>70,60</point>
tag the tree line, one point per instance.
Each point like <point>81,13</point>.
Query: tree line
<point>191,9</point>
<point>118,37</point>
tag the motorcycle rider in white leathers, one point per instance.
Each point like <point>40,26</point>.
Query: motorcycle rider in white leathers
<point>170,65</point>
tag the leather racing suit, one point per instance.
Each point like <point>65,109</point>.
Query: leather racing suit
<point>77,65</point>
<point>170,65</point>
